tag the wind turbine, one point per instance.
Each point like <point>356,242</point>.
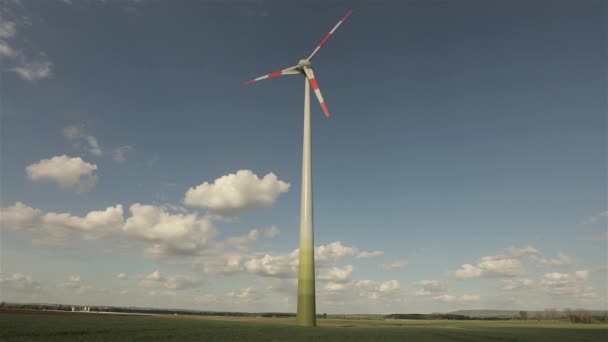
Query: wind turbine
<point>306,271</point>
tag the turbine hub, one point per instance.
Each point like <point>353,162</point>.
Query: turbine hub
<point>304,63</point>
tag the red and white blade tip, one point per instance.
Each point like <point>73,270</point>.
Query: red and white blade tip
<point>324,40</point>
<point>346,15</point>
<point>324,106</point>
<point>271,75</point>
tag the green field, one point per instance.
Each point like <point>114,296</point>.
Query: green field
<point>96,327</point>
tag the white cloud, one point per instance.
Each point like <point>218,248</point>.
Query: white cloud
<point>562,260</point>
<point>67,172</point>
<point>272,231</point>
<point>597,217</point>
<point>19,282</point>
<point>468,271</point>
<point>567,284</point>
<point>556,278</point>
<point>120,154</point>
<point>19,217</point>
<point>246,295</point>
<point>218,261</point>
<point>6,50</point>
<point>491,266</point>
<point>394,265</point>
<point>235,192</point>
<point>517,252</point>
<point>286,265</point>
<point>178,282</point>
<point>335,274</point>
<point>450,298</point>
<point>7,28</point>
<point>94,225</point>
<point>362,291</point>
<point>515,284</point>
<point>58,228</point>
<point>333,252</point>
<point>73,282</point>
<point>278,266</point>
<point>430,288</point>
<point>169,234</point>
<point>241,242</point>
<point>369,255</point>
<point>17,61</point>
<point>122,276</point>
<point>81,139</point>
<point>34,71</point>
<point>389,286</point>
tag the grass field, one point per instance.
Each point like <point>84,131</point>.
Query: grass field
<point>48,326</point>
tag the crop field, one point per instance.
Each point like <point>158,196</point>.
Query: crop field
<point>58,326</point>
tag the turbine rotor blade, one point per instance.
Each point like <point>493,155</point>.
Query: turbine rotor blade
<point>329,35</point>
<point>315,87</point>
<point>289,71</point>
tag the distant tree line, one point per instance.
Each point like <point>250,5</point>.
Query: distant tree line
<point>573,316</point>
<point>429,316</point>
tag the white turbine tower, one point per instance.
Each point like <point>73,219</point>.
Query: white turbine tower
<point>306,271</point>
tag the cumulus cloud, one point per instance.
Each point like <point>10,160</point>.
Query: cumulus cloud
<point>240,242</point>
<point>278,266</point>
<point>19,217</point>
<point>369,254</point>
<point>237,192</point>
<point>66,171</point>
<point>272,232</point>
<point>25,65</point>
<point>360,291</point>
<point>19,282</point>
<point>446,298</point>
<point>33,71</point>
<point>491,266</point>
<point>333,252</point>
<point>335,274</point>
<point>6,50</point>
<point>94,225</point>
<point>81,139</point>
<point>120,154</point>
<point>562,260</point>
<point>597,217</point>
<point>218,261</point>
<point>7,28</point>
<point>58,228</point>
<point>430,288</point>
<point>286,265</point>
<point>567,284</point>
<point>155,280</point>
<point>122,276</point>
<point>394,265</point>
<point>73,282</point>
<point>169,234</point>
<point>515,284</point>
<point>246,295</point>
<point>518,252</point>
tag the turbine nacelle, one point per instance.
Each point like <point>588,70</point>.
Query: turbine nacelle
<point>304,63</point>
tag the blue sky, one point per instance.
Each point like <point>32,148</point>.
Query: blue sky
<point>466,154</point>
